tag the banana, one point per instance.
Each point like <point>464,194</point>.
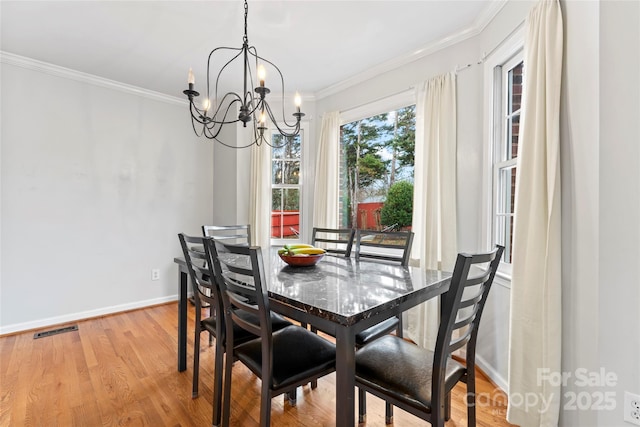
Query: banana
<point>307,251</point>
<point>300,249</point>
<point>297,246</point>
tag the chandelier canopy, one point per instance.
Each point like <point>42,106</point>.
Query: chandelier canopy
<point>209,118</point>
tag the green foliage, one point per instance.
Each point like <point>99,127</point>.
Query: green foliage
<point>405,139</point>
<point>361,142</point>
<point>398,208</point>
<point>371,168</point>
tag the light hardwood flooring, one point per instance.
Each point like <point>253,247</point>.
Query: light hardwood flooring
<point>121,370</point>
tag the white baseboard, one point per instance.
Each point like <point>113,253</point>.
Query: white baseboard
<point>492,373</point>
<point>41,323</point>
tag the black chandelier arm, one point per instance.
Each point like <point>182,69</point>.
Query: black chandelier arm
<point>260,138</point>
<point>202,118</point>
<point>284,118</point>
<point>236,99</point>
<point>255,103</point>
<point>214,128</point>
<point>240,50</point>
<point>296,126</point>
<point>193,125</point>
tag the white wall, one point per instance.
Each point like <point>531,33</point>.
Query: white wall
<point>225,182</point>
<point>580,196</point>
<point>96,184</point>
<point>619,206</point>
<point>601,201</point>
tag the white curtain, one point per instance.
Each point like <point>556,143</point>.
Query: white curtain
<point>325,208</point>
<point>434,196</point>
<point>260,197</point>
<point>535,326</point>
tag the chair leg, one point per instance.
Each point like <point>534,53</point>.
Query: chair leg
<point>217,383</point>
<point>196,363</point>
<point>388,413</point>
<point>226,399</point>
<point>471,396</point>
<point>447,407</point>
<point>265,405</point>
<point>291,396</point>
<point>314,383</point>
<point>362,405</point>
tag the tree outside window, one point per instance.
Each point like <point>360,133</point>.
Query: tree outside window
<point>376,153</point>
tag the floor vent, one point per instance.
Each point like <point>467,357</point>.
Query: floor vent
<point>55,332</point>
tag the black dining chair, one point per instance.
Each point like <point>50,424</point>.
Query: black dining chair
<point>388,246</point>
<point>197,257</point>
<point>282,359</point>
<point>418,380</point>
<point>392,247</point>
<point>231,234</point>
<point>334,240</point>
<point>238,234</point>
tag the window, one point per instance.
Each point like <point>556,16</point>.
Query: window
<point>507,112</point>
<point>286,161</point>
<point>377,155</point>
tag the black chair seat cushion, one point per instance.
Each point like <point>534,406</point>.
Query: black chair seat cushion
<point>242,335</point>
<point>298,354</point>
<point>376,331</point>
<point>403,370</point>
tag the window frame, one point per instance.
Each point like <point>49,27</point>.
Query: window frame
<point>304,143</point>
<point>506,56</point>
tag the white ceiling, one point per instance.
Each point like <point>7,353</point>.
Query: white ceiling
<point>316,44</point>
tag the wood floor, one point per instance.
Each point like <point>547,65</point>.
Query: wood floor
<point>121,370</point>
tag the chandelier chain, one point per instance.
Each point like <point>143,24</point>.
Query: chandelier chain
<point>246,13</point>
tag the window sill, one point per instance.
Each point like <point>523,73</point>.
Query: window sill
<point>503,279</point>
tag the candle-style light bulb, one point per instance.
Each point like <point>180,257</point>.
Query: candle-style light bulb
<point>262,73</point>
<point>297,100</point>
<point>263,119</point>
<point>191,79</point>
<point>206,104</point>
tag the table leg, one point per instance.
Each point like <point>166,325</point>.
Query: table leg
<point>182,321</point>
<point>345,377</point>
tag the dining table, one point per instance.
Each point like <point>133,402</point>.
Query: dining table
<point>340,296</point>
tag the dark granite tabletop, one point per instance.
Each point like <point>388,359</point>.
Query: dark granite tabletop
<point>344,290</point>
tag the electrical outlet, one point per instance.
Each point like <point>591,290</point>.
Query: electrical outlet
<point>632,408</point>
<point>155,274</point>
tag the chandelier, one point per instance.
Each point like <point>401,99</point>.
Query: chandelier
<point>209,118</point>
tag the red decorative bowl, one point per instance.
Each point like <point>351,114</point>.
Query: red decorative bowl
<point>301,260</point>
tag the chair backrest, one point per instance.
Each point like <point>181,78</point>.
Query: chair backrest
<point>391,246</point>
<point>239,272</point>
<point>334,240</point>
<point>197,257</point>
<point>461,311</point>
<point>229,234</point>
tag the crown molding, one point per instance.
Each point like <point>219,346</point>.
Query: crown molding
<point>473,30</point>
<point>67,73</point>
